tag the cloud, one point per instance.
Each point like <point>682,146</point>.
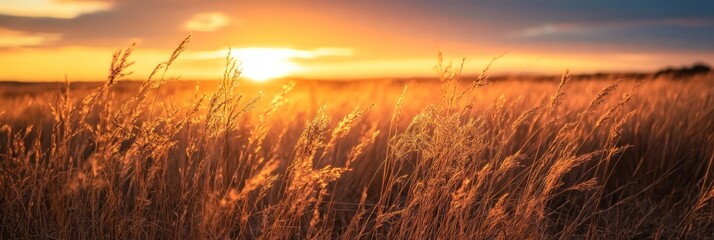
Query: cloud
<point>548,29</point>
<point>281,53</point>
<point>206,22</point>
<point>12,38</point>
<point>592,27</point>
<point>52,8</point>
<point>153,21</point>
<point>378,29</point>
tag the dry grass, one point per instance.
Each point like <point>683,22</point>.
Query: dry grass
<point>455,159</point>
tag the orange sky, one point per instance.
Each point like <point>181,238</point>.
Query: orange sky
<point>42,40</point>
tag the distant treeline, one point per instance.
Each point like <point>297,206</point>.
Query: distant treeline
<point>683,72</point>
<point>677,73</point>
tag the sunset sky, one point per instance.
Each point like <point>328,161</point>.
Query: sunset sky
<point>42,40</point>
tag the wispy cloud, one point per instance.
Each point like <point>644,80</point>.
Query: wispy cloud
<point>52,8</point>
<point>206,22</point>
<point>592,27</point>
<point>549,29</point>
<point>12,38</point>
<point>282,53</point>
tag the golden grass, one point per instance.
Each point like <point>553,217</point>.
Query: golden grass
<point>455,159</point>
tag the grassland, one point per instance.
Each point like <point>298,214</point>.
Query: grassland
<point>457,158</point>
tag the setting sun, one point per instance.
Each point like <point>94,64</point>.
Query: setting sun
<point>263,64</point>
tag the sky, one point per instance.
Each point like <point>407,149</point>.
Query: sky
<point>44,40</point>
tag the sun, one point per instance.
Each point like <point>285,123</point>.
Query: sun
<point>264,64</point>
<point>261,64</point>
<point>264,68</point>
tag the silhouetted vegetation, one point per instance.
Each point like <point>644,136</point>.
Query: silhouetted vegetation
<point>683,72</point>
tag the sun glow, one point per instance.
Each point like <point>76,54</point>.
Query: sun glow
<point>263,64</point>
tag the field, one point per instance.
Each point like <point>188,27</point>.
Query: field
<point>449,158</point>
